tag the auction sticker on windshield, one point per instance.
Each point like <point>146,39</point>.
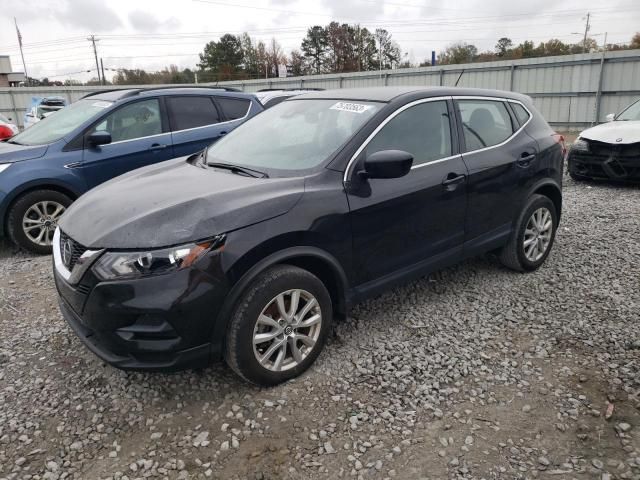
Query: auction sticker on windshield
<point>351,107</point>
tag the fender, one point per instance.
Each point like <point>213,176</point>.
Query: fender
<point>547,183</point>
<point>220,325</point>
<point>30,186</point>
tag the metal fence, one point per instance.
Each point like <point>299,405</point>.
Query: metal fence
<point>571,91</point>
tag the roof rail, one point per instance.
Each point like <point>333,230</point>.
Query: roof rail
<point>287,89</point>
<point>135,91</point>
<point>194,85</point>
<point>130,92</point>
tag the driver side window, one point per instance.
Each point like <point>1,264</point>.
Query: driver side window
<point>136,120</point>
<point>422,130</point>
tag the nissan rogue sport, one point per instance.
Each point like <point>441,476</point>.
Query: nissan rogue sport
<point>247,251</point>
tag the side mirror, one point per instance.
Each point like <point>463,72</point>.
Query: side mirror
<point>387,164</point>
<point>99,138</point>
<point>611,117</point>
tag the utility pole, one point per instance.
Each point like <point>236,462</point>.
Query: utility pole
<point>102,68</point>
<point>24,65</point>
<point>587,27</point>
<point>92,39</point>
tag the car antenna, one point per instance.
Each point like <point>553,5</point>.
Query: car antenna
<point>459,77</point>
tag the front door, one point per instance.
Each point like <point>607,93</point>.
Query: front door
<point>402,223</point>
<point>137,140</point>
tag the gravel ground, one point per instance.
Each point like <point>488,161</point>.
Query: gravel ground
<point>475,372</point>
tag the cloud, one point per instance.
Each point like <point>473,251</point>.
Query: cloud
<point>90,15</point>
<point>350,10</point>
<point>143,21</point>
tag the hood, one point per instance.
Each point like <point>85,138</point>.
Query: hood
<point>10,152</point>
<point>175,202</point>
<point>610,132</point>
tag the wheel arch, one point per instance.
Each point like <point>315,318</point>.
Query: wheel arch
<point>552,191</point>
<point>27,188</point>
<point>313,259</point>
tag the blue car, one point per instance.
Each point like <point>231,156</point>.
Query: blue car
<point>46,167</point>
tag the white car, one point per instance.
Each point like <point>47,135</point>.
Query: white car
<point>7,128</point>
<point>42,108</point>
<point>610,150</point>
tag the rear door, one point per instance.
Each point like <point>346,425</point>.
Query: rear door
<point>196,122</point>
<point>139,137</point>
<point>500,158</point>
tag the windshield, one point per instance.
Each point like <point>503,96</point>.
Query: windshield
<point>632,112</point>
<point>294,135</point>
<point>53,128</point>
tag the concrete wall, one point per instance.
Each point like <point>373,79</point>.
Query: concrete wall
<point>571,91</point>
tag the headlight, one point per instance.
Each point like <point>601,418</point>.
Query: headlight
<point>4,166</point>
<point>119,265</point>
<point>580,145</point>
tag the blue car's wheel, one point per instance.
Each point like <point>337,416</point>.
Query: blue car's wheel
<point>34,217</point>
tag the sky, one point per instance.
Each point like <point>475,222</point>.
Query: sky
<point>152,34</point>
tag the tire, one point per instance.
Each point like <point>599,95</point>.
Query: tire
<point>30,209</point>
<point>258,301</point>
<point>520,258</point>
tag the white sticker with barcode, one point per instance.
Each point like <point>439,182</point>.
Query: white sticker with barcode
<point>351,107</point>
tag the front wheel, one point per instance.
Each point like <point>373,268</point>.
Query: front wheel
<point>33,219</point>
<point>533,235</point>
<point>279,326</point>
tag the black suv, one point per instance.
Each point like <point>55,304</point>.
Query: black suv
<point>248,250</point>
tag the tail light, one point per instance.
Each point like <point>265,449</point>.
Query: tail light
<point>560,139</point>
<point>5,132</point>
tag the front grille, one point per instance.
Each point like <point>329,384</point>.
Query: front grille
<point>606,150</point>
<point>70,251</point>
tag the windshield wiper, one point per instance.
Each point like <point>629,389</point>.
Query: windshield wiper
<point>238,169</point>
<point>13,141</point>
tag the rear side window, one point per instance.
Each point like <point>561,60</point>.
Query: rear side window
<point>191,112</point>
<point>233,108</point>
<point>485,123</point>
<point>521,113</point>
<point>422,130</point>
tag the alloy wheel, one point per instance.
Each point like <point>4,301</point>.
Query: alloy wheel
<point>287,330</point>
<point>40,221</point>
<point>537,234</point>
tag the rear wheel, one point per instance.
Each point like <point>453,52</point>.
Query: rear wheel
<point>533,236</point>
<point>279,326</point>
<point>34,217</point>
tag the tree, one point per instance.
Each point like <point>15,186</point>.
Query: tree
<point>458,53</point>
<point>224,57</point>
<point>250,62</point>
<point>635,41</point>
<point>275,57</point>
<point>503,46</point>
<point>315,46</point>
<point>296,63</point>
<point>388,49</point>
<point>131,77</point>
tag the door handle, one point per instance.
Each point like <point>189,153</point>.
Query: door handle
<point>525,159</point>
<point>453,179</point>
<point>158,146</point>
<point>222,134</point>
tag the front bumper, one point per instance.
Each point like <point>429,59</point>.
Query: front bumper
<point>162,322</point>
<point>607,161</point>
